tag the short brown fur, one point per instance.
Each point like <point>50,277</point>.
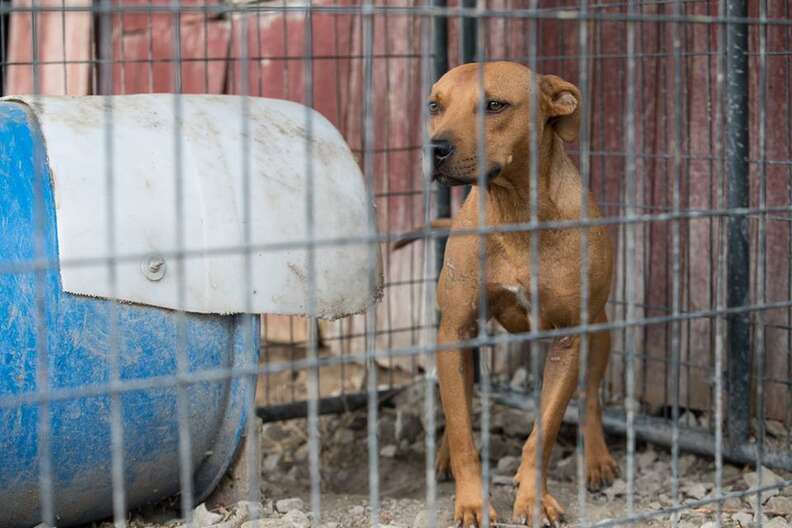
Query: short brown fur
<point>454,104</point>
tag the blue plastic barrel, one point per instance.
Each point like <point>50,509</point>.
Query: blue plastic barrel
<point>74,337</point>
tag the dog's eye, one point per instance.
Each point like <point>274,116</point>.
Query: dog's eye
<point>434,107</point>
<point>496,106</point>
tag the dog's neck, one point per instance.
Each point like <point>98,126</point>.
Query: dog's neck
<point>508,197</point>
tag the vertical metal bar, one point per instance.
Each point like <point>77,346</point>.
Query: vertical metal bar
<point>583,307</point>
<point>386,189</point>
<point>631,199</point>
<point>252,453</point>
<point>313,343</point>
<point>116,424</point>
<point>761,265</point>
<point>737,152</point>
<point>676,168</point>
<point>439,67</point>
<point>483,316</point>
<point>42,341</point>
<point>534,315</point>
<point>367,14</point>
<point>182,360</point>
<point>720,275</point>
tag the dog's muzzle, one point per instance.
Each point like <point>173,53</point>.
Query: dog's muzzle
<point>440,176</point>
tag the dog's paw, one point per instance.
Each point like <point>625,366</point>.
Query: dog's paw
<point>601,471</point>
<point>469,508</point>
<point>551,513</point>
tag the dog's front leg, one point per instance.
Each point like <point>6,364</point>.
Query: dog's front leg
<point>559,383</point>
<point>455,368</point>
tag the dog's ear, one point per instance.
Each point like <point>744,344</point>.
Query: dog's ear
<point>561,104</point>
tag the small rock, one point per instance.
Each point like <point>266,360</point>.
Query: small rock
<point>566,469</point>
<point>502,480</point>
<point>275,432</point>
<point>331,525</point>
<point>743,519</point>
<point>357,511</point>
<point>389,451</point>
<point>779,506</point>
<point>684,463</point>
<point>267,523</point>
<point>776,522</point>
<point>288,505</point>
<point>421,520</point>
<point>730,472</point>
<point>359,422</point>
<point>297,519</point>
<point>619,487</point>
<point>243,511</point>
<point>697,490</point>
<point>646,458</point>
<point>508,465</point>
<point>408,426</point>
<point>203,518</point>
<point>776,428</point>
<point>271,462</point>
<point>517,423</point>
<point>344,436</point>
<point>519,381</point>
<point>387,428</point>
<point>301,454</point>
<point>732,503</point>
<point>499,447</point>
<point>654,505</point>
<point>708,524</point>
<point>768,479</point>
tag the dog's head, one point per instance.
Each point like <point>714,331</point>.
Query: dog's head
<point>454,119</point>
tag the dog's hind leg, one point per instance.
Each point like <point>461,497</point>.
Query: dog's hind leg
<point>601,469</point>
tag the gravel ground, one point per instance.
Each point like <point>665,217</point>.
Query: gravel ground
<point>402,471</point>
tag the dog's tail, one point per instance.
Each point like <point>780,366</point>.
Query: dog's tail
<point>416,234</point>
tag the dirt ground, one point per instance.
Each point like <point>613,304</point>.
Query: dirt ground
<point>402,478</point>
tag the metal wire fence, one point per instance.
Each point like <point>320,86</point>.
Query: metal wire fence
<point>684,141</point>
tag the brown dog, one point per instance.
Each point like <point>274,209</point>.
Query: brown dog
<point>453,126</point>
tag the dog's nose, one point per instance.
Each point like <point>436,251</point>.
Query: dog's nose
<point>441,150</point>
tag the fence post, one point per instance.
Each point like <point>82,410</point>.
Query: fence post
<point>737,152</point>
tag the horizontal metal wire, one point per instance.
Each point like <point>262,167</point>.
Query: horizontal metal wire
<point>690,214</point>
<point>423,10</point>
<point>378,353</point>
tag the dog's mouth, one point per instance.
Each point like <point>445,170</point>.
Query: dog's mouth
<point>441,177</point>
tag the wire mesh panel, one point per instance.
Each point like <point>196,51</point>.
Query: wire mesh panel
<point>435,290</point>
